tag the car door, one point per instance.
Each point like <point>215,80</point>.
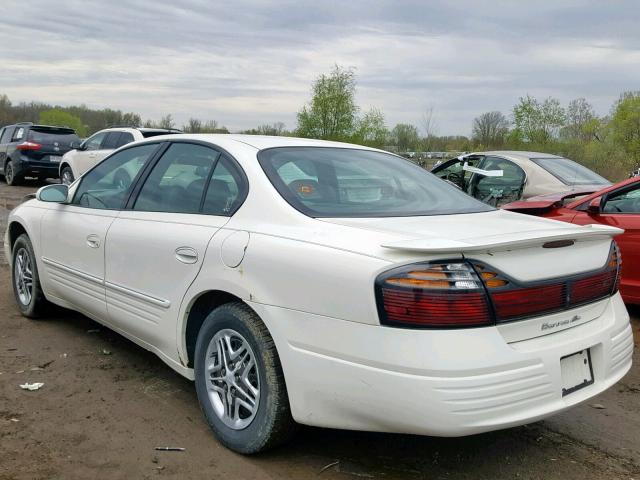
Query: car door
<point>90,153</point>
<point>621,208</point>
<point>156,247</point>
<point>73,234</point>
<point>497,190</point>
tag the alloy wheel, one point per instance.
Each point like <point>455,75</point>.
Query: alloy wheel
<point>67,177</point>
<point>233,383</point>
<point>23,276</point>
<point>8,173</point>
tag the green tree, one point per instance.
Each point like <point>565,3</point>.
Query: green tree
<point>537,122</point>
<point>331,114</point>
<point>405,137</point>
<point>61,118</point>
<point>625,125</point>
<point>371,130</point>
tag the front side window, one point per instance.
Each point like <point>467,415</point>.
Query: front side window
<point>499,190</point>
<point>623,202</point>
<point>570,172</point>
<point>177,182</point>
<point>107,185</point>
<point>341,182</point>
<point>94,142</point>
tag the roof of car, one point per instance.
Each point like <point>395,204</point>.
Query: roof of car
<point>522,155</point>
<point>261,142</point>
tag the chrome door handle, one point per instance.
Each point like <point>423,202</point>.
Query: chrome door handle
<point>186,255</point>
<point>93,241</point>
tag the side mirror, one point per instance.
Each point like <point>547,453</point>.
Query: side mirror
<point>594,206</point>
<point>53,193</point>
<point>75,145</point>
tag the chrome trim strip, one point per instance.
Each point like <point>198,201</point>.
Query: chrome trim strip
<point>73,271</point>
<point>139,295</point>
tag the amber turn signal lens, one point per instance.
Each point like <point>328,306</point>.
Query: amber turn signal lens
<point>418,282</point>
<point>495,283</point>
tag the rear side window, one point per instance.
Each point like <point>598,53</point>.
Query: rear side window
<point>125,137</point>
<point>110,141</point>
<point>570,172</point>
<point>226,191</point>
<point>177,182</point>
<point>6,135</point>
<point>19,134</point>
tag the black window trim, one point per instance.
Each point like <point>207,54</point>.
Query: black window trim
<point>243,187</point>
<point>117,134</point>
<point>606,197</point>
<point>133,183</point>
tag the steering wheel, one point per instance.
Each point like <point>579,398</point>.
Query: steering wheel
<point>455,177</point>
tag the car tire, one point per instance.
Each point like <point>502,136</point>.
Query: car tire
<point>270,423</point>
<point>66,176</point>
<point>29,297</point>
<point>10,175</point>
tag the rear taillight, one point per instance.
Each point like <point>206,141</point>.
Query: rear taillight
<point>473,294</point>
<point>433,295</point>
<point>28,146</point>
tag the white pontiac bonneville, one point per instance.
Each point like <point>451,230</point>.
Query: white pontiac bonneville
<point>320,283</point>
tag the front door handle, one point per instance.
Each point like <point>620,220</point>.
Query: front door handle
<point>186,255</point>
<point>93,241</point>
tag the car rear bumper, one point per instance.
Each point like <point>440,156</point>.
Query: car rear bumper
<point>33,168</point>
<point>348,375</point>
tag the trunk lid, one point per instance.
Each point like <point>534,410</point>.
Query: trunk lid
<point>54,143</point>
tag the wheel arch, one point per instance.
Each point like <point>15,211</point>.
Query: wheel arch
<point>62,166</point>
<point>14,230</point>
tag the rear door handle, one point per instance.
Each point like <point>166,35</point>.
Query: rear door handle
<point>93,241</point>
<point>186,255</point>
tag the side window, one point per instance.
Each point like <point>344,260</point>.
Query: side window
<point>623,202</point>
<point>94,142</point>
<point>6,135</point>
<point>178,180</point>
<point>125,137</point>
<point>226,190</point>
<point>501,190</point>
<point>19,135</point>
<point>110,141</point>
<point>107,185</point>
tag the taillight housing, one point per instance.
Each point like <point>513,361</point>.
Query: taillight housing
<point>469,293</point>
<point>431,295</point>
<point>28,146</point>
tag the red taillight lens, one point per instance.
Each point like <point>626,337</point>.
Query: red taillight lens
<point>524,302</point>
<point>433,295</point>
<point>28,146</point>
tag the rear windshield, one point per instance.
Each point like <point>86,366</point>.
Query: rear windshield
<point>570,172</point>
<point>62,136</point>
<point>152,133</point>
<point>341,182</point>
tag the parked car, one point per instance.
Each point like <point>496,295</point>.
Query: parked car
<point>502,177</point>
<point>327,284</point>
<point>95,148</point>
<point>617,205</point>
<point>28,150</point>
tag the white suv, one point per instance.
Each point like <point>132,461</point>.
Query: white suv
<point>95,148</point>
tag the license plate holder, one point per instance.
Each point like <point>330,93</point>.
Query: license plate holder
<point>577,371</point>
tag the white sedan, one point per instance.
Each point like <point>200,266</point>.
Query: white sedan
<point>308,282</point>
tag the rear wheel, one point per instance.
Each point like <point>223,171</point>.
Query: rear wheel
<point>10,174</point>
<point>239,381</point>
<point>25,279</point>
<point>66,175</point>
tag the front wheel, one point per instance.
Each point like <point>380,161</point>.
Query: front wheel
<point>239,381</point>
<point>66,175</point>
<point>25,279</point>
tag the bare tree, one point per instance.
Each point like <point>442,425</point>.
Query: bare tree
<point>429,126</point>
<point>580,120</point>
<point>194,125</point>
<point>490,129</point>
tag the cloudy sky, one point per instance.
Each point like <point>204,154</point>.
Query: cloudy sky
<point>249,62</point>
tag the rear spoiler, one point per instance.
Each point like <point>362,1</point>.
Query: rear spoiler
<point>533,207</point>
<point>508,241</point>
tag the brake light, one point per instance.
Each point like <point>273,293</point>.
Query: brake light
<point>433,295</point>
<point>28,146</point>
<point>473,294</point>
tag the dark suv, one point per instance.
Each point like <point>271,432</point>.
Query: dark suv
<point>28,150</point>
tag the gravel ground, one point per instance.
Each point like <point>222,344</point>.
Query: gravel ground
<point>107,403</point>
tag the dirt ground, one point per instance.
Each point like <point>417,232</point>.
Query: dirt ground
<point>106,404</point>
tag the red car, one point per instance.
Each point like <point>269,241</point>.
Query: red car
<point>617,205</point>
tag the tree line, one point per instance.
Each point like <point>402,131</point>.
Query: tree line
<point>609,144</point>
